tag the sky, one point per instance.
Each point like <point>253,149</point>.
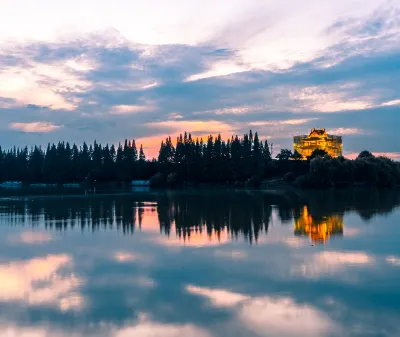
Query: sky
<point>81,70</point>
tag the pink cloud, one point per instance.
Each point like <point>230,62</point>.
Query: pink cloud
<point>391,155</point>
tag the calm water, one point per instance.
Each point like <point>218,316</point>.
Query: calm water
<point>200,264</point>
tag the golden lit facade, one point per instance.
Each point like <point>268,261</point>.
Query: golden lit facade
<point>318,229</point>
<point>318,139</point>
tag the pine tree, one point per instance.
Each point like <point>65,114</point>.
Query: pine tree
<point>142,156</point>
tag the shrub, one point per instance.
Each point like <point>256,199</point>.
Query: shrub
<point>254,181</point>
<point>289,177</point>
<point>172,180</point>
<point>158,180</point>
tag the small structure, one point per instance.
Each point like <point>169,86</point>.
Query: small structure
<point>11,184</point>
<point>140,183</point>
<point>318,139</point>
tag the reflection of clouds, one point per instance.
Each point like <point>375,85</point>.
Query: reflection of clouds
<point>294,242</point>
<point>269,316</point>
<point>152,329</point>
<point>284,317</point>
<point>331,262</point>
<point>16,331</point>
<point>218,297</point>
<point>142,328</point>
<point>144,282</point>
<point>351,231</point>
<point>393,260</point>
<point>30,237</point>
<point>344,258</point>
<point>39,281</point>
<point>233,254</point>
<point>125,257</point>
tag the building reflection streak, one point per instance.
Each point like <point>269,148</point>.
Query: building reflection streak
<point>319,229</point>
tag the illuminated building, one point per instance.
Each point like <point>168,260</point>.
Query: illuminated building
<point>318,139</point>
<point>318,229</point>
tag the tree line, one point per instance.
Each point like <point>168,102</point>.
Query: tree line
<point>63,163</point>
<point>238,160</point>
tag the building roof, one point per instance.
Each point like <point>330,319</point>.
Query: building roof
<point>319,132</point>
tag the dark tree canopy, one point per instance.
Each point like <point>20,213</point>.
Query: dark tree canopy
<point>365,154</point>
<point>239,160</point>
<point>318,153</point>
<point>284,154</point>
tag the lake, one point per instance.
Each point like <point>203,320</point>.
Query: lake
<point>200,264</point>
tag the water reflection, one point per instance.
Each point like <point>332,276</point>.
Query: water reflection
<point>129,265</point>
<point>318,229</point>
<point>198,218</point>
<point>41,281</point>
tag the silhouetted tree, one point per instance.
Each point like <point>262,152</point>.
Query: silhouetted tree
<point>284,154</point>
<point>318,153</point>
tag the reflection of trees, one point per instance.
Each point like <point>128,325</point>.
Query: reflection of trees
<point>240,214</point>
<point>215,215</point>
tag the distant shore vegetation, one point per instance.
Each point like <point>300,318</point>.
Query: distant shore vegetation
<point>238,161</point>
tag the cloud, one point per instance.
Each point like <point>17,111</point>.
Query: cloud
<point>44,84</point>
<point>346,131</point>
<point>239,110</point>
<point>130,109</point>
<point>174,115</point>
<point>138,78</point>
<point>390,103</point>
<point>40,127</point>
<point>218,69</point>
<point>283,122</point>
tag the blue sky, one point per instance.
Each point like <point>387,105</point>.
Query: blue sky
<point>110,70</point>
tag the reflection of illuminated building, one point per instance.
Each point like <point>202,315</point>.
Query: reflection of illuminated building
<point>318,139</point>
<point>318,229</point>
